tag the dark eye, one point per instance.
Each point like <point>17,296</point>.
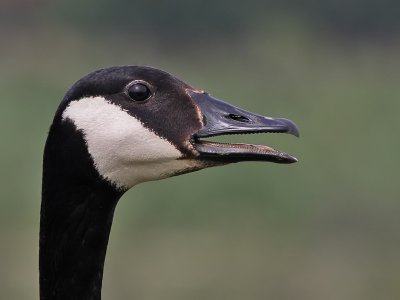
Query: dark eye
<point>139,92</point>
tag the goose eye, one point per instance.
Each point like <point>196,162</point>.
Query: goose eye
<point>139,92</point>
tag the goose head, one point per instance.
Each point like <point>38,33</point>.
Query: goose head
<point>140,124</point>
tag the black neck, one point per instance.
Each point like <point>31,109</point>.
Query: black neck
<point>76,217</point>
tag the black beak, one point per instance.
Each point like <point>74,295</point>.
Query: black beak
<point>221,118</point>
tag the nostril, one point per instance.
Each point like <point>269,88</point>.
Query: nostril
<point>204,119</point>
<point>238,118</point>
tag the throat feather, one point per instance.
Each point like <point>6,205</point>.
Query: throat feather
<point>124,151</point>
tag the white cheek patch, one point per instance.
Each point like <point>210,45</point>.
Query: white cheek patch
<point>123,150</point>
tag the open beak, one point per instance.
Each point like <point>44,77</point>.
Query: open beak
<point>221,118</point>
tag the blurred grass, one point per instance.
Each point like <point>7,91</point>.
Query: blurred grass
<point>325,228</point>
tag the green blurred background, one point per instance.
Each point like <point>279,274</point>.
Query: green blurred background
<point>324,228</point>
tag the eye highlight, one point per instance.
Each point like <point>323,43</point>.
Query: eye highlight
<point>139,91</point>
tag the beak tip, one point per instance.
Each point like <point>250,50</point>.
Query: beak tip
<point>291,127</point>
<point>296,133</point>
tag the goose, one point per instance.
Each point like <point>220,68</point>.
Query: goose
<point>115,128</point>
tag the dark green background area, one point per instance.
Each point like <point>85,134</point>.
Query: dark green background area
<point>324,228</point>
